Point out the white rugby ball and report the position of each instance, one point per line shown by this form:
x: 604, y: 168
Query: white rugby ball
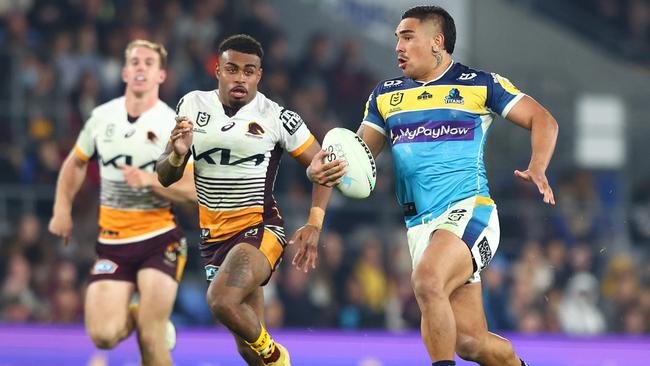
x: 361, y: 173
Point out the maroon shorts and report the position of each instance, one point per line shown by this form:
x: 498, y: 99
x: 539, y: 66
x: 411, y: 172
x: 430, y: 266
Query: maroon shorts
x: 166, y: 252
x: 266, y: 237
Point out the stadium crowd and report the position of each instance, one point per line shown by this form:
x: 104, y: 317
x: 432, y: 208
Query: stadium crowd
x: 556, y: 270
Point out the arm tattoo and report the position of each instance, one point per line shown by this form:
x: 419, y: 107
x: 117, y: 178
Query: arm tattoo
x: 167, y: 173
x: 238, y: 269
x: 438, y: 56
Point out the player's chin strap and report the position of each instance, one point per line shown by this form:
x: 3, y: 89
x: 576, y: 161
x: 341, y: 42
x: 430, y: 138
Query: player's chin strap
x: 316, y: 217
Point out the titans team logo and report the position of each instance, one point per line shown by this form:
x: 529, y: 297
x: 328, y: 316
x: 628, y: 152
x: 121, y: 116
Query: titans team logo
x: 454, y: 97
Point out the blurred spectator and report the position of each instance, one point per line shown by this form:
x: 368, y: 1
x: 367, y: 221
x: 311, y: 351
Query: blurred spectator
x: 27, y: 239
x: 314, y: 64
x: 556, y: 252
x: 531, y: 321
x: 581, y: 212
x: 350, y: 83
x: 64, y: 294
x: 369, y: 271
x: 581, y: 258
x: 533, y: 267
x: 260, y: 21
x: 19, y: 303
x: 299, y: 310
x: 578, y: 311
x: 85, y: 97
x: 356, y: 313
x: 11, y: 160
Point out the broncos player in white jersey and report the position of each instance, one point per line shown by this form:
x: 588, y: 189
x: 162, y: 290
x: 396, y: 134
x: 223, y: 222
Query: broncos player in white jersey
x: 436, y: 119
x: 236, y: 137
x: 140, y: 246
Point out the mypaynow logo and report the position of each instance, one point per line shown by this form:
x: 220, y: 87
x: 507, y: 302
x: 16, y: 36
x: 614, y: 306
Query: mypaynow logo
x: 433, y: 131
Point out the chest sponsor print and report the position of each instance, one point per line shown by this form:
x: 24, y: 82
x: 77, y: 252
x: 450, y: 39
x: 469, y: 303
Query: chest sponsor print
x: 433, y: 131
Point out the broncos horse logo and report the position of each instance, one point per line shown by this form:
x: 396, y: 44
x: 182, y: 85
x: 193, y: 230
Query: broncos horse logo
x: 255, y: 129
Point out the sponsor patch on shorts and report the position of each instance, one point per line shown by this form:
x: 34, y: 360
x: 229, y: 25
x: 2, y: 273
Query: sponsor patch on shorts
x: 211, y: 272
x: 104, y: 266
x: 485, y: 252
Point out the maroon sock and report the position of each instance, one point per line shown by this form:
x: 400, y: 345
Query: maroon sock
x: 272, y: 357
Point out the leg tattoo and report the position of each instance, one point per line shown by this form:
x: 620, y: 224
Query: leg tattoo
x: 237, y: 269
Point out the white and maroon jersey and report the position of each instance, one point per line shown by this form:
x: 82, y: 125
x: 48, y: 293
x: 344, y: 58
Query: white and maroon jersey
x: 127, y: 214
x: 236, y: 159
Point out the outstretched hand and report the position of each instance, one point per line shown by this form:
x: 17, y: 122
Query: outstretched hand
x: 306, y: 238
x: 325, y: 174
x: 539, y: 179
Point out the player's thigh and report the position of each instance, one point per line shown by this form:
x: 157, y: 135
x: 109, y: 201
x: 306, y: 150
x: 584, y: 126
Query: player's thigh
x: 157, y: 292
x: 244, y: 269
x: 106, y: 304
x: 445, y: 263
x: 471, y: 324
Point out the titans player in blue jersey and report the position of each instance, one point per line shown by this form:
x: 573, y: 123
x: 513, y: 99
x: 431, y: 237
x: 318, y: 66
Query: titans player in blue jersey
x: 436, y: 119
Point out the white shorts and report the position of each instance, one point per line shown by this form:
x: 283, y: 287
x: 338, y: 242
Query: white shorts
x: 474, y: 220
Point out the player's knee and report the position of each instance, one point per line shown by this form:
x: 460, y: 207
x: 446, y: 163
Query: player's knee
x: 469, y: 346
x: 427, y: 286
x: 106, y: 337
x: 222, y: 306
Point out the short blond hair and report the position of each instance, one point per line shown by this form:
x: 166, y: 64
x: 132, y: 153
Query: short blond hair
x: 157, y: 47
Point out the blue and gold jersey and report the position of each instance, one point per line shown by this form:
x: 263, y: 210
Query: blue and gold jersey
x: 437, y: 131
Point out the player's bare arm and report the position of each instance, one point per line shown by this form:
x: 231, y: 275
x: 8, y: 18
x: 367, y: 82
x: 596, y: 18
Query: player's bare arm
x: 374, y: 139
x: 306, y: 238
x: 182, y: 192
x: 71, y: 177
x: 171, y: 164
x: 531, y: 115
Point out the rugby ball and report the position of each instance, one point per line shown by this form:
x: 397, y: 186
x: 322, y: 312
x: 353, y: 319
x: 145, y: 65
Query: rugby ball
x: 361, y: 173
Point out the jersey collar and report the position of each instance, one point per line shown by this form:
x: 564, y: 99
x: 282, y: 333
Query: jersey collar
x: 439, y: 77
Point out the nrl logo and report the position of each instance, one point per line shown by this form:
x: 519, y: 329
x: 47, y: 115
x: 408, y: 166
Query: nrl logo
x: 396, y: 99
x: 202, y: 119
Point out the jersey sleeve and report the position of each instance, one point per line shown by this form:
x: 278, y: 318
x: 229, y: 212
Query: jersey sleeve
x: 372, y: 117
x: 502, y: 95
x: 295, y: 136
x: 85, y: 147
x: 182, y: 107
